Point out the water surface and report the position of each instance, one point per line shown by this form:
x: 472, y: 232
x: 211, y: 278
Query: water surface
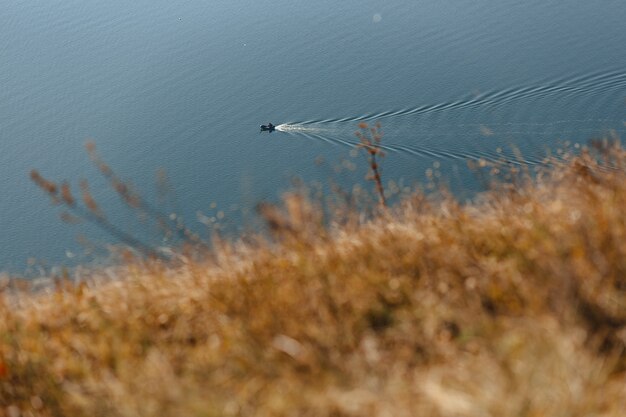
x: 183, y: 86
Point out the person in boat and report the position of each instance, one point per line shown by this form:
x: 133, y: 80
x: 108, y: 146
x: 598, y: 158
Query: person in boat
x: 268, y: 127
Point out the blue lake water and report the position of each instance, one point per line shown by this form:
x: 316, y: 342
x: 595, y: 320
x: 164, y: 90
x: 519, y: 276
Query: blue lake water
x: 183, y: 86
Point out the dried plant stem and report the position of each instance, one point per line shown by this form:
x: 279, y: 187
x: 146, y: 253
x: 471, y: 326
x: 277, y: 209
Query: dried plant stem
x: 135, y: 201
x: 91, y: 213
x: 370, y: 141
x: 377, y: 180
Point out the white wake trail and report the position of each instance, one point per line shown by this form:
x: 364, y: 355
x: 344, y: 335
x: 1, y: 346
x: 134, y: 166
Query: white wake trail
x: 298, y: 128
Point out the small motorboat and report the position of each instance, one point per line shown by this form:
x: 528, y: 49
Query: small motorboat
x: 268, y: 128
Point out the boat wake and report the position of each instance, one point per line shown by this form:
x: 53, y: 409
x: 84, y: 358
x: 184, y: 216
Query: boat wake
x: 484, y: 126
x: 582, y: 89
x: 301, y: 128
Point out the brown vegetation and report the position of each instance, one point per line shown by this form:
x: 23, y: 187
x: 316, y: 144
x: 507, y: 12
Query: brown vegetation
x: 514, y: 305
x: 369, y: 140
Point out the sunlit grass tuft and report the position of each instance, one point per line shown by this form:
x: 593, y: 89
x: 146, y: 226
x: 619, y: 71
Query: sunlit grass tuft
x: 514, y: 305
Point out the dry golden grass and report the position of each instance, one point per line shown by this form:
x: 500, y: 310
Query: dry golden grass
x: 511, y: 306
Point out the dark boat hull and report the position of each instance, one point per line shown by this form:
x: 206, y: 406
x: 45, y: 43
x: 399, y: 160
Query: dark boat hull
x: 265, y: 128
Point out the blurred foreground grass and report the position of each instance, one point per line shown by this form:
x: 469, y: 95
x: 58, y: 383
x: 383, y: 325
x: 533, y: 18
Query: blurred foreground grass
x: 514, y: 305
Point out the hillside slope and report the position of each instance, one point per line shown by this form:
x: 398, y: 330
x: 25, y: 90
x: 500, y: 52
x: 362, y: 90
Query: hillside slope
x: 514, y: 305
